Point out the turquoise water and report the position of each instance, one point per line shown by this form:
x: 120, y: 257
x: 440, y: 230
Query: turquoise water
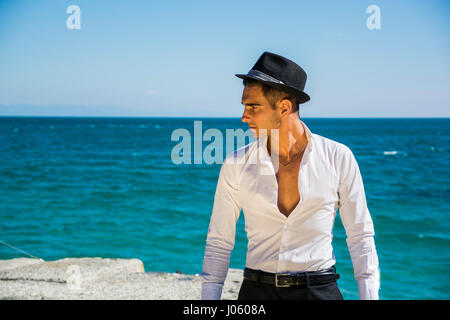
x: 107, y: 187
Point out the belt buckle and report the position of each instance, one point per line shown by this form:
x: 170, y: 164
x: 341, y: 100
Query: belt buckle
x: 281, y: 285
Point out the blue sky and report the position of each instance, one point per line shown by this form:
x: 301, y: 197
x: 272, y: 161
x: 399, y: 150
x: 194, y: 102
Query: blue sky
x: 178, y: 58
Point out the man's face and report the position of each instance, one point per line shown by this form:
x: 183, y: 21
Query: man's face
x: 258, y: 113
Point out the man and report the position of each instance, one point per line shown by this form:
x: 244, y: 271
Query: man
x: 289, y: 184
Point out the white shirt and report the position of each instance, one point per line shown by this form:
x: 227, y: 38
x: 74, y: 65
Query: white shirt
x: 329, y: 179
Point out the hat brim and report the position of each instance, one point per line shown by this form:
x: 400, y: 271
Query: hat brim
x: 301, y: 96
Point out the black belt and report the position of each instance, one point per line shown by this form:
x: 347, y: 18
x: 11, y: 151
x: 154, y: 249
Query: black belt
x: 292, y: 279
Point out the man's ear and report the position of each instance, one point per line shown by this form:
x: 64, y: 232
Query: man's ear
x: 285, y: 107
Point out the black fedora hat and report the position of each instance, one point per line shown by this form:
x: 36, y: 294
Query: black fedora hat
x: 281, y: 73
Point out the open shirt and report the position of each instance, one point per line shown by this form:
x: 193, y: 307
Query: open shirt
x: 329, y: 179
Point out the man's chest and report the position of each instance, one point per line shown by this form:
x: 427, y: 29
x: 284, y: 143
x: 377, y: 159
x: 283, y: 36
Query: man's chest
x: 265, y: 188
x: 288, y: 191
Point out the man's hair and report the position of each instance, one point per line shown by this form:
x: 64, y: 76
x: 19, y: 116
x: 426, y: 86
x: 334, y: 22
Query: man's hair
x: 272, y: 94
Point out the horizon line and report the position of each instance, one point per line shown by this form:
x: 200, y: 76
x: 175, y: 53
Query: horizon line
x: 201, y: 117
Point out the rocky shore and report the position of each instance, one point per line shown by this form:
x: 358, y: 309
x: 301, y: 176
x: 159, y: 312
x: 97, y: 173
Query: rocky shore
x: 100, y: 279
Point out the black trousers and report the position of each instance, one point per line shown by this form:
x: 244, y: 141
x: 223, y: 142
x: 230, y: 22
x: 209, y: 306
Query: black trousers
x: 251, y: 290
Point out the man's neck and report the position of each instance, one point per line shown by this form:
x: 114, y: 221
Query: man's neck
x: 290, y: 141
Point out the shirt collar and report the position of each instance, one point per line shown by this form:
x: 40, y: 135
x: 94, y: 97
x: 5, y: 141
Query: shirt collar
x: 308, y: 135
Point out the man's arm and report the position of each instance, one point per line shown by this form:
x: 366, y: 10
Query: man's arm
x: 359, y: 228
x: 221, y: 232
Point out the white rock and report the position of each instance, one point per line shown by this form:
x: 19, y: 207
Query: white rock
x: 88, y: 269
x: 17, y: 262
x: 101, y: 279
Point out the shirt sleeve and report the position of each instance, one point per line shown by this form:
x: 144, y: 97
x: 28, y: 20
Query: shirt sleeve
x: 221, y: 232
x: 359, y: 228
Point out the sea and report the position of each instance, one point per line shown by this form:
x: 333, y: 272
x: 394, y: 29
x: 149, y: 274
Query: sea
x: 115, y: 188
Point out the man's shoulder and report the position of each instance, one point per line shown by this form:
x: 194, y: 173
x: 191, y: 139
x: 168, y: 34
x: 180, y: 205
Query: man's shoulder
x: 329, y: 145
